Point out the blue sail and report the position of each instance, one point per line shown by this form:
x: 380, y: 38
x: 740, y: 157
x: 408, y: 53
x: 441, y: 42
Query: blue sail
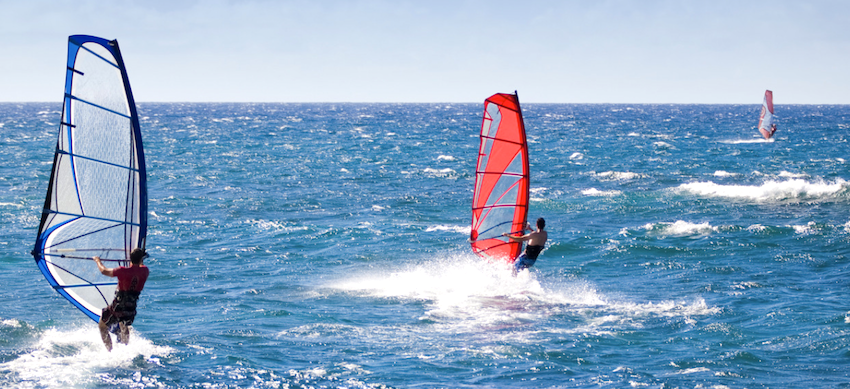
x: 96, y: 201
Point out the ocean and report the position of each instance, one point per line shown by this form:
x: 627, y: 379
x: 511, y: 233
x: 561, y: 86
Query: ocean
x: 326, y: 246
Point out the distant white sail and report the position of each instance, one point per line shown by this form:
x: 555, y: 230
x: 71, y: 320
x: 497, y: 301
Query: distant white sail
x: 766, y: 121
x: 96, y: 201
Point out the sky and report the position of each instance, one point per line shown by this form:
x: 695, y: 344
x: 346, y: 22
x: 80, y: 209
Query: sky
x: 617, y: 51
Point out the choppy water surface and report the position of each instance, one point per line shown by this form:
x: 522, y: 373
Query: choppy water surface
x: 325, y: 246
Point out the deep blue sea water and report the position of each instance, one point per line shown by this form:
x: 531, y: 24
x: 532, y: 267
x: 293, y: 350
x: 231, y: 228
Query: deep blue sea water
x: 325, y: 246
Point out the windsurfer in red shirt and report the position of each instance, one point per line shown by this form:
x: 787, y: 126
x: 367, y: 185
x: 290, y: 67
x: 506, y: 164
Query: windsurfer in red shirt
x: 119, y: 315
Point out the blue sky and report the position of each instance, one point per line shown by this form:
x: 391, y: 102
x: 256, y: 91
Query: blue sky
x: 442, y: 51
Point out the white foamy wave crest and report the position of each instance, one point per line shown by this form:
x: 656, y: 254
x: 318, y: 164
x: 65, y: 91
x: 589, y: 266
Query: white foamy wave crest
x: 721, y: 173
x: 468, y: 292
x: 616, y: 316
x: 77, y: 357
x: 806, y: 229
x: 745, y: 285
x: 273, y: 225
x: 576, y: 156
x: 460, y: 229
x: 439, y: 172
x: 756, y: 228
x: 544, y: 194
x: 601, y: 193
x: 785, y: 174
x: 619, y: 175
x: 695, y: 370
x: 445, y: 158
x: 698, y: 307
x: 537, y: 191
x: 537, y: 194
x: 795, y: 189
x: 15, y: 323
x: 679, y: 228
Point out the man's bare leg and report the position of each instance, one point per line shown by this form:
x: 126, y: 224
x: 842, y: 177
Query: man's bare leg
x: 123, y: 333
x: 104, y: 335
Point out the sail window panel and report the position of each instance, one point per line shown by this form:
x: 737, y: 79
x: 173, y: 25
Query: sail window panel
x: 134, y: 156
x: 484, y: 183
x: 484, y: 154
x: 103, y: 52
x: 484, y: 167
x: 63, y: 277
x: 495, y: 121
x: 56, y: 219
x: 64, y: 194
x: 88, y: 234
x: 49, y: 221
x: 501, y: 155
x: 487, y: 126
x: 133, y: 216
x: 496, y: 221
x: 85, y: 234
x: 101, y: 135
x: 488, y: 190
x: 131, y: 241
x: 134, y: 202
x: 102, y: 189
x: 76, y: 276
x: 92, y: 298
x: 64, y: 133
x: 504, y: 127
x: 101, y: 82
x: 505, y: 192
x: 517, y: 165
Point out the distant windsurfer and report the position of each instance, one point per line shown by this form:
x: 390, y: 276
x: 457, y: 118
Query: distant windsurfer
x: 119, y: 315
x: 536, y: 242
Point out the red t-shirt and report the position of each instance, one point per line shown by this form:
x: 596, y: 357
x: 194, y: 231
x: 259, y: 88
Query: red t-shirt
x: 131, y: 278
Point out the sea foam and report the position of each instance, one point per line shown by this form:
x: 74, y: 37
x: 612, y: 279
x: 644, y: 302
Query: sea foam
x: 792, y: 189
x: 76, y: 357
x: 678, y: 228
x: 600, y: 193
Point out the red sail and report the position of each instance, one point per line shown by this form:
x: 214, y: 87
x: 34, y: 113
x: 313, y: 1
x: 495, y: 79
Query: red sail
x: 500, y: 200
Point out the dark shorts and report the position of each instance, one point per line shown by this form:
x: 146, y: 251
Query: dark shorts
x: 523, y: 262
x: 122, y: 309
